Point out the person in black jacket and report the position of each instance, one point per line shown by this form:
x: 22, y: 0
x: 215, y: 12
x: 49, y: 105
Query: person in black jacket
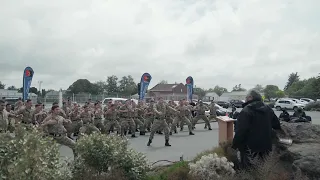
x: 254, y: 132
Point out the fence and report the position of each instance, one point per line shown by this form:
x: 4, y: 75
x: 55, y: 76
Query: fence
x: 80, y: 98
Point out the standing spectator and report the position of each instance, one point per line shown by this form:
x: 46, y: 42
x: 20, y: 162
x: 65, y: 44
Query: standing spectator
x: 253, y: 137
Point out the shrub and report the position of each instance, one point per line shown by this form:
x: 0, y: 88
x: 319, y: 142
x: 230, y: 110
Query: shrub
x: 176, y: 171
x: 29, y: 156
x: 101, y: 154
x: 211, y: 167
x: 313, y: 106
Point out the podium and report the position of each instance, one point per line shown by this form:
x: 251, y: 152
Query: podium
x: 226, y: 128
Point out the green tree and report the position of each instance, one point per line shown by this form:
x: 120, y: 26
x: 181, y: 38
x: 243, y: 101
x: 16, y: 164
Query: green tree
x: 218, y: 90
x: 82, y: 86
x: 280, y: 94
x: 259, y: 88
x: 270, y: 91
x: 112, y: 84
x: 2, y: 86
x: 127, y: 86
x: 100, y: 86
x: 12, y: 88
x: 199, y: 92
x: 33, y: 90
x: 293, y: 77
x: 163, y: 82
x: 238, y: 88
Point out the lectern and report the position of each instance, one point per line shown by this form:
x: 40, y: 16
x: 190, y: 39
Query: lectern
x: 225, y: 128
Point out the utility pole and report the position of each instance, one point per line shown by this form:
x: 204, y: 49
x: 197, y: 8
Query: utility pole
x: 40, y: 82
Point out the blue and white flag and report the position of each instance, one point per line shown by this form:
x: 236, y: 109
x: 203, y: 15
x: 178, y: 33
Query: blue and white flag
x: 189, y: 84
x: 144, y: 83
x: 27, y: 79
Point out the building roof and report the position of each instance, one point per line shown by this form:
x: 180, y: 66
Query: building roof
x: 235, y: 93
x: 164, y: 87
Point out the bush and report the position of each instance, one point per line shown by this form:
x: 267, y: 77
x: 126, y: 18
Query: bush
x: 211, y: 167
x: 177, y: 171
x: 30, y: 156
x: 103, y: 155
x: 313, y: 106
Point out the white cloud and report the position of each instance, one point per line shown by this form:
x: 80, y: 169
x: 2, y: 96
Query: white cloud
x: 218, y: 42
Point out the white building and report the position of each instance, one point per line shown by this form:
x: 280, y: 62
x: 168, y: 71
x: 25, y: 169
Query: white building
x: 211, y: 96
x: 15, y: 94
x: 235, y: 95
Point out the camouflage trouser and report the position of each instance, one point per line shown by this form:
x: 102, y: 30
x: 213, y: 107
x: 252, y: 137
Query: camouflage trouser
x: 182, y: 119
x: 158, y: 125
x: 11, y: 125
x: 108, y: 124
x: 140, y: 124
x: 28, y: 126
x: 213, y: 117
x: 88, y: 129
x: 73, y: 127
x: 64, y: 140
x: 127, y: 123
x: 203, y: 117
x: 99, y: 123
x: 148, y: 122
x: 189, y: 116
x: 169, y: 119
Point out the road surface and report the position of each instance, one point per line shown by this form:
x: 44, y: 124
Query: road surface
x: 182, y: 143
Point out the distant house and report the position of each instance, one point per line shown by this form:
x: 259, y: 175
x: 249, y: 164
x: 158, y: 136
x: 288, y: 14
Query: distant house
x: 4, y: 93
x: 211, y: 96
x: 169, y: 91
x: 235, y: 95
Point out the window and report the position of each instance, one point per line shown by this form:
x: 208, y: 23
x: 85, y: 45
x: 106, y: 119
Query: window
x: 281, y: 102
x: 287, y: 102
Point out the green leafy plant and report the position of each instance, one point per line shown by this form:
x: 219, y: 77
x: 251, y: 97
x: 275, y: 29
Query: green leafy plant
x: 29, y: 155
x: 100, y: 154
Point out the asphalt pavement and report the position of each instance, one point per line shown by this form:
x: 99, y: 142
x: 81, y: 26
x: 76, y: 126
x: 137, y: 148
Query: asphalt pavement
x: 182, y: 144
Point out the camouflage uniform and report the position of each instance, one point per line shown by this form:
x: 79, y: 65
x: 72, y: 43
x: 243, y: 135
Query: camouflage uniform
x: 111, y: 120
x: 126, y: 120
x: 87, y: 127
x: 76, y: 123
x: 201, y: 115
x: 27, y: 117
x: 98, y: 119
x: 138, y: 116
x: 182, y: 118
x: 160, y: 110
x: 149, y: 116
x: 4, y: 121
x: 57, y: 131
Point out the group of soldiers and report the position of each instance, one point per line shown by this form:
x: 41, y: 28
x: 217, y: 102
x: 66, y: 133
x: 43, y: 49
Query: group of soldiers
x: 116, y: 118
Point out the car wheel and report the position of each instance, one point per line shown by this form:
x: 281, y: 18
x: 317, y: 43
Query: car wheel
x: 295, y: 108
x: 278, y: 108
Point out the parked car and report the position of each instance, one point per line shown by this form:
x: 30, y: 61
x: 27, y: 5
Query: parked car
x: 113, y: 100
x: 237, y: 103
x: 220, y: 111
x: 223, y: 104
x: 288, y: 104
x: 307, y: 99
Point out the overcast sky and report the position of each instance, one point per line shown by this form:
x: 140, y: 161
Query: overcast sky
x: 218, y: 42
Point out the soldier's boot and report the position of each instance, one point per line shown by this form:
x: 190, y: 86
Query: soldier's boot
x: 175, y: 131
x: 129, y: 132
x: 209, y: 128
x: 181, y: 129
x: 133, y: 136
x: 142, y: 133
x: 191, y: 133
x: 167, y: 143
x: 149, y: 142
x: 137, y: 130
x: 125, y: 133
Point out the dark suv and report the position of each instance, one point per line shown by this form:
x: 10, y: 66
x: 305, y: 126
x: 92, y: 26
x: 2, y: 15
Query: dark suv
x: 237, y: 103
x: 223, y: 104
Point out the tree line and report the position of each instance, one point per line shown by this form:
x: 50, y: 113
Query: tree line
x: 126, y: 86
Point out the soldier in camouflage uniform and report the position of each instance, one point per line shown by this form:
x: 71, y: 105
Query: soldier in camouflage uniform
x: 76, y: 122
x: 149, y: 116
x: 27, y: 114
x: 4, y: 117
x: 88, y: 126
x: 56, y: 129
x: 126, y: 119
x: 98, y: 113
x: 138, y: 117
x: 160, y: 110
x: 182, y: 118
x: 213, y: 112
x: 201, y: 108
x: 111, y: 116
